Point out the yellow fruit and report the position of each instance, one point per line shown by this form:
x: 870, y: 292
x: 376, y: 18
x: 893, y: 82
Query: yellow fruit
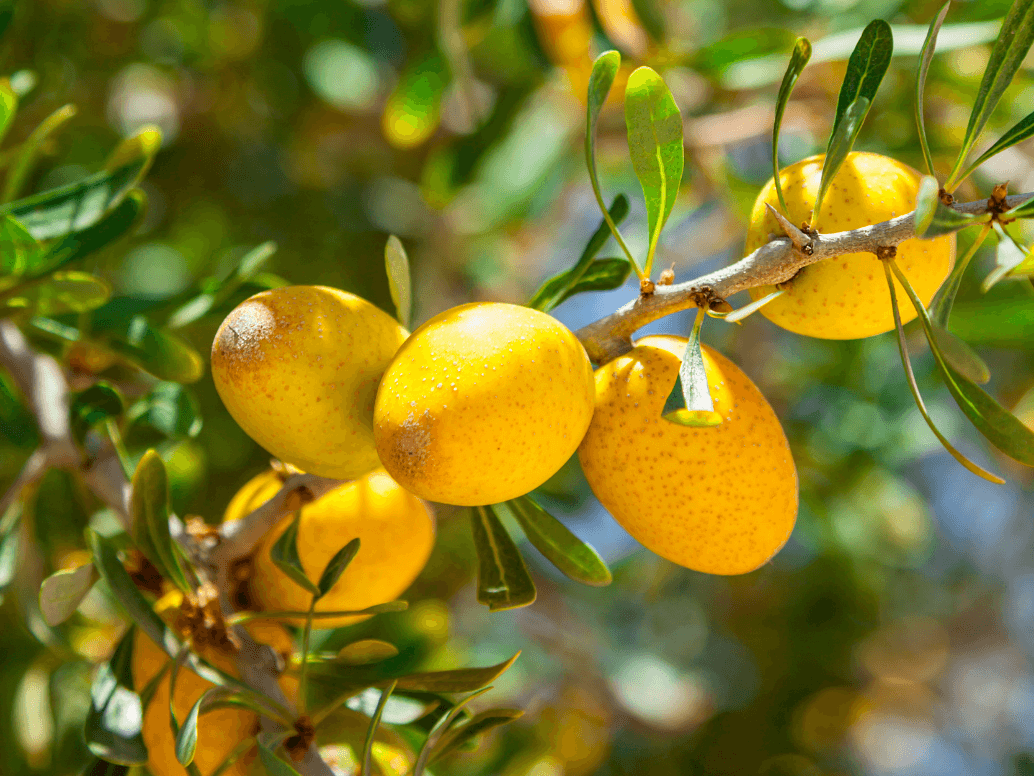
x: 395, y: 531
x: 219, y: 731
x: 722, y: 500
x: 482, y: 404
x: 846, y: 297
x: 298, y: 368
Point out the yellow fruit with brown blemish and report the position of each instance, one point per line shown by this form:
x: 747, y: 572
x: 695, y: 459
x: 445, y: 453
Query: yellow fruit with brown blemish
x: 395, y: 531
x: 298, y: 367
x: 219, y: 731
x: 482, y: 404
x: 846, y: 297
x: 722, y: 500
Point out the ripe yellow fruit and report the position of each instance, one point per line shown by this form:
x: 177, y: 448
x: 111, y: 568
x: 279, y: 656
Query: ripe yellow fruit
x: 396, y: 535
x: 298, y: 367
x: 482, y: 404
x: 846, y: 297
x: 722, y: 500
x: 219, y: 731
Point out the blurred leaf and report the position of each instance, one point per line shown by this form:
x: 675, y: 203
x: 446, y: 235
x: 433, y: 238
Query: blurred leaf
x: 1009, y: 257
x: 655, y: 145
x: 742, y: 45
x: 961, y: 356
x: 1023, y: 765
x: 439, y: 728
x: 149, y: 509
x: 247, y: 268
x: 115, y: 718
x: 567, y: 283
x: 399, y: 710
x: 10, y: 542
x: 142, y: 144
x: 62, y: 292
x: 63, y: 591
x: 336, y: 567
x: 944, y: 297
x: 186, y: 737
x: 169, y: 408
x: 690, y: 403
x: 30, y: 149
x: 366, y: 651
x: 284, y: 554
x: 413, y: 110
x: 925, y: 57
x: 375, y: 722
x: 1013, y: 43
x: 840, y: 144
x: 399, y: 282
x: 575, y: 558
x: 77, y: 206
x: 457, y: 680
x: 158, y: 352
x: 19, y: 250
x: 16, y: 422
x: 94, y: 405
x: 6, y: 16
x: 1003, y: 429
x: 274, y: 765
x: 95, y: 766
x: 454, y: 739
x: 80, y: 244
x: 798, y: 60
x: 503, y: 581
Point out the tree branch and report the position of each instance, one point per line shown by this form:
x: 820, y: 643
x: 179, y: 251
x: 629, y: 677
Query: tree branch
x: 774, y: 262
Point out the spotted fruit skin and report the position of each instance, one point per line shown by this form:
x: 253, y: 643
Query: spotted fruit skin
x: 721, y: 500
x: 482, y: 404
x: 396, y: 532
x: 846, y: 297
x: 298, y: 367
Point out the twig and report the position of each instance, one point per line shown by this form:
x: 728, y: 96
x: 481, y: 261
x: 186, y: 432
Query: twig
x: 774, y: 262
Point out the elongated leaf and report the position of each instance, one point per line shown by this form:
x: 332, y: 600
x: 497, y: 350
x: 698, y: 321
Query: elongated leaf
x: 169, y: 408
x: 460, y: 735
x: 30, y: 149
x: 19, y: 250
x: 186, y: 738
x: 8, y: 107
x: 440, y: 727
x: 284, y: 554
x: 366, y: 651
x: 375, y: 722
x: 10, y: 541
x: 798, y: 59
x: 925, y: 57
x: 115, y: 718
x: 1013, y: 43
x: 690, y: 403
x: 97, y: 403
x: 399, y: 282
x: 927, y: 200
x: 457, y: 680
x: 218, y: 291
x: 1009, y: 256
x: 399, y: 710
x: 563, y: 549
x: 933, y: 218
x: 63, y: 591
x: 841, y: 141
x: 80, y: 244
x: 144, y: 143
x: 865, y: 70
x: 149, y: 508
x: 503, y: 579
x: 336, y: 567
x: 62, y: 292
x: 1019, y: 132
x: 961, y: 356
x: 274, y: 765
x: 655, y: 145
x: 1003, y: 429
x: 940, y: 305
x: 158, y: 352
x: 562, y: 285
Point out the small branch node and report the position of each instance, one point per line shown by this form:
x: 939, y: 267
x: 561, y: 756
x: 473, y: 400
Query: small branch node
x: 801, y: 239
x: 646, y: 287
x: 945, y: 197
x: 886, y: 252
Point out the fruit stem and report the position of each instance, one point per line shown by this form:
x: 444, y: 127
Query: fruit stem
x: 303, y: 679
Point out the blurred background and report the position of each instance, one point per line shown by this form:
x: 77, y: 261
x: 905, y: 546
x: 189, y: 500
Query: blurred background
x: 893, y: 635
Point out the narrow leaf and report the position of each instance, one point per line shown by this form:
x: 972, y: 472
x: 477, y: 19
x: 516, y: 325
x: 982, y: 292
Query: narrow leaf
x: 1014, y: 41
x: 457, y: 680
x: 439, y: 728
x: 8, y: 107
x: 336, y: 567
x: 1015, y: 134
x: 841, y: 141
x: 690, y: 403
x: 1009, y: 256
x: 284, y: 553
x: 114, y: 721
x: 798, y: 59
x: 925, y: 58
x: 961, y: 356
x: 247, y: 268
x: 503, y: 579
x: 274, y: 765
x: 399, y: 281
x: 562, y: 285
x: 80, y: 244
x: 142, y: 144
x: 865, y: 68
x: 655, y: 145
x: 375, y: 722
x: 933, y: 218
x: 456, y: 738
x: 575, y: 558
x: 149, y: 508
x: 159, y: 353
x: 186, y: 738
x: 399, y: 709
x: 749, y: 309
x: 1003, y: 429
x: 61, y: 292
x: 26, y: 158
x: 63, y: 591
x: 940, y: 305
x: 367, y: 651
x: 169, y: 408
x: 19, y: 251
x: 94, y: 405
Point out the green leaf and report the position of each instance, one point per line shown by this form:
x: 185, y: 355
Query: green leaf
x: 457, y: 680
x: 30, y: 149
x: 601, y: 79
x: 1003, y: 429
x: 158, y: 352
x: 940, y: 305
x: 217, y: 291
x: 399, y: 710
x: 413, y: 110
x: 94, y: 405
x: 961, y: 356
x: 366, y: 651
x: 798, y: 59
x: 142, y: 144
x: 439, y: 728
x: 10, y: 542
x: 80, y: 244
x: 865, y: 70
x: 399, y: 282
x: 1013, y: 43
x: 19, y: 250
x: 575, y: 558
x: 169, y: 408
x: 655, y: 145
x: 565, y: 284
x: 61, y: 292
x: 1009, y: 257
x: 115, y: 718
x: 95, y: 766
x: 841, y: 141
x: 274, y: 765
x: 284, y: 554
x: 690, y: 403
x: 933, y: 218
x: 186, y: 738
x: 925, y: 57
x: 149, y: 509
x: 375, y: 722
x: 460, y: 735
x: 1019, y: 132
x: 8, y: 99
x: 503, y: 579
x: 63, y: 591
x: 336, y: 567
